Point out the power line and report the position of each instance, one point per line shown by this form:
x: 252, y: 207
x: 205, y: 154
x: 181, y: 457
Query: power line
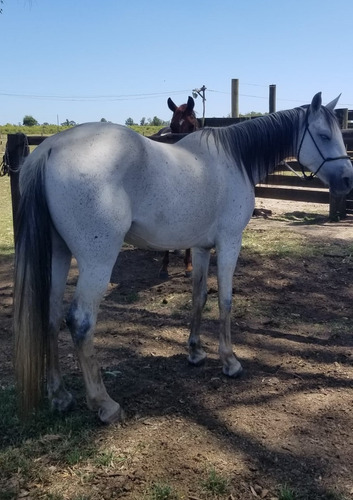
x: 119, y: 97
x: 139, y: 96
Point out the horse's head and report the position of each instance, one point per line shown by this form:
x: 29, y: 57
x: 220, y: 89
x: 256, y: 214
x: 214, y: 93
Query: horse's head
x: 321, y: 148
x: 184, y: 119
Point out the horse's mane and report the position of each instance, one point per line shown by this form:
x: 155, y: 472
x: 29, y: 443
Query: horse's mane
x: 261, y: 143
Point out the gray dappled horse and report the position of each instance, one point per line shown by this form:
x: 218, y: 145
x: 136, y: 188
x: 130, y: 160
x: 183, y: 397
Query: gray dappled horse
x: 86, y: 190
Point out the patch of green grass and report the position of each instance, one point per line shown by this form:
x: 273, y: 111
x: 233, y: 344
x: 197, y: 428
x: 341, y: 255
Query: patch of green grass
x: 215, y: 483
x: 277, y: 243
x: 34, y: 130
x: 65, y: 440
x: 286, y: 493
x: 146, y: 130
x: 77, y: 454
x: 14, y: 459
x: 161, y: 491
x: 45, y: 423
x: 105, y: 459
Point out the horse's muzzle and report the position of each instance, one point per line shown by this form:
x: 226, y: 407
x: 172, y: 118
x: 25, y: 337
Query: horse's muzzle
x: 342, y: 185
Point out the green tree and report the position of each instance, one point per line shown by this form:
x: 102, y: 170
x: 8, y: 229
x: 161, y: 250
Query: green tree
x: 103, y: 120
x: 29, y: 121
x: 156, y: 122
x: 129, y: 122
x: 143, y: 122
x: 68, y: 123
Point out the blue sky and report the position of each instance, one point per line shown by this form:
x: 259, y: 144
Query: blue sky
x: 84, y: 60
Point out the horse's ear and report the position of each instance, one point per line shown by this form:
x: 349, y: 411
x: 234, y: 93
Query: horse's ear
x: 171, y: 105
x: 316, y: 103
x: 331, y: 105
x: 191, y: 103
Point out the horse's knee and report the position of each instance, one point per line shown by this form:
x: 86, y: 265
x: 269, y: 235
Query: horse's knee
x: 79, y: 323
x: 226, y: 306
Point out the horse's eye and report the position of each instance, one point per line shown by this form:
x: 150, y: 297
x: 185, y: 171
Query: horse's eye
x: 324, y: 137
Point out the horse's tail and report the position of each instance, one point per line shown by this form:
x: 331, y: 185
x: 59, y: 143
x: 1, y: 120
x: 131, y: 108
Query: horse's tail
x: 32, y: 281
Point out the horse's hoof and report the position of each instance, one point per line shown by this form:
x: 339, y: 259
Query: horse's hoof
x: 232, y: 371
x: 63, y: 404
x: 188, y: 274
x: 197, y: 359
x: 111, y: 414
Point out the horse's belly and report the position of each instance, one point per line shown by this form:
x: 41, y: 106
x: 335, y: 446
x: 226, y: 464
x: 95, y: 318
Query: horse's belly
x: 168, y: 238
x: 140, y: 242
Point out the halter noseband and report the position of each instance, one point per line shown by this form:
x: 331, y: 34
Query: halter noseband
x: 324, y: 160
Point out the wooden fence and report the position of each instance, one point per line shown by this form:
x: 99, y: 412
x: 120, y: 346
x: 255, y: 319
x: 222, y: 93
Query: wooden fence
x: 279, y: 185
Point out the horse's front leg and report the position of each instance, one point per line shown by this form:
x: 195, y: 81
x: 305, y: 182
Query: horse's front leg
x: 201, y: 258
x: 227, y: 257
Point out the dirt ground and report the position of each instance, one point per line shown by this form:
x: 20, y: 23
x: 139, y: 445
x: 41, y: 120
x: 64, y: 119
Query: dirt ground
x: 287, y: 421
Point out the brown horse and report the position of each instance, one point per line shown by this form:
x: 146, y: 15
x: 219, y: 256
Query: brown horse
x: 184, y: 121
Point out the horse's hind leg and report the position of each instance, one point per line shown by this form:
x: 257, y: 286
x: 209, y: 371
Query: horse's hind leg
x: 188, y: 263
x: 59, y: 397
x: 82, y: 317
x: 163, y: 273
x: 201, y: 258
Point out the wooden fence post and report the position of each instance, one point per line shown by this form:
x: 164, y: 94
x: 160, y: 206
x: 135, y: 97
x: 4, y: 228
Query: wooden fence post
x: 235, y: 98
x: 272, y: 99
x: 338, y: 204
x: 342, y: 117
x: 338, y: 208
x: 16, y: 150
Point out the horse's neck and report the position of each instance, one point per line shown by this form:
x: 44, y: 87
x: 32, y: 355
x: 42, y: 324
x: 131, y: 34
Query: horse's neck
x: 269, y: 142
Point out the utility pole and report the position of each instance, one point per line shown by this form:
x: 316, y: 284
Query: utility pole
x: 235, y: 98
x: 201, y: 93
x: 272, y: 99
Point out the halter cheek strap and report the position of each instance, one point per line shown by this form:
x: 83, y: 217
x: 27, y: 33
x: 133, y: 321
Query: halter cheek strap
x: 324, y: 160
